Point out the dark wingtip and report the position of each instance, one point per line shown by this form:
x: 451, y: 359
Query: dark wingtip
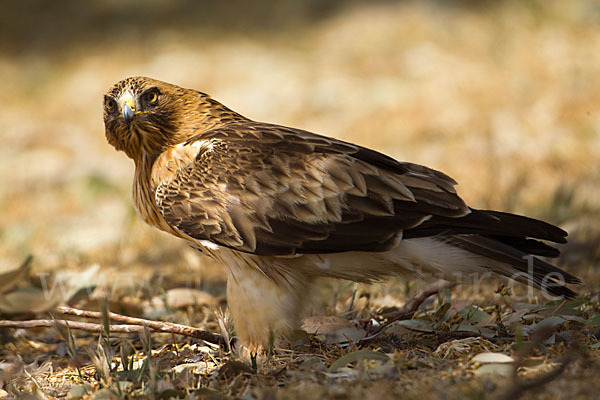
x: 559, y: 290
x: 529, y: 227
x: 564, y: 234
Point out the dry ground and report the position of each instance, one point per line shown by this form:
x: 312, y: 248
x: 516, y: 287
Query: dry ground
x: 504, y: 97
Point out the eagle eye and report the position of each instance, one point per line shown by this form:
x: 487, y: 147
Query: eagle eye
x: 151, y: 97
x: 110, y: 104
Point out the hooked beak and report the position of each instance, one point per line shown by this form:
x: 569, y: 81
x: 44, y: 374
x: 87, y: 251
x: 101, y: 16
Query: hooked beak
x: 127, y: 107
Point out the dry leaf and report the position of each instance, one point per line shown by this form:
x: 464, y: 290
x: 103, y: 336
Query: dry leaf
x: 345, y: 335
x: 234, y: 368
x: 29, y: 300
x: 180, y: 298
x: 495, y: 369
x: 324, y: 324
x: 12, y: 277
x: 492, y: 358
x: 62, y: 289
x: 357, y: 356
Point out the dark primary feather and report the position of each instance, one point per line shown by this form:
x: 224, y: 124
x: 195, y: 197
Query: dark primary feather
x: 530, y: 270
x: 508, y: 238
x: 491, y: 223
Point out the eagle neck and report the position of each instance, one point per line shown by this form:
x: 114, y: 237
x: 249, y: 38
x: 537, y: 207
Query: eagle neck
x: 143, y: 192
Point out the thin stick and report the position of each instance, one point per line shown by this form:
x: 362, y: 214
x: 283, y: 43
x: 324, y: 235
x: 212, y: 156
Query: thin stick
x: 133, y: 325
x: 411, y: 306
x: 84, y: 326
x: 161, y: 326
x: 415, y: 301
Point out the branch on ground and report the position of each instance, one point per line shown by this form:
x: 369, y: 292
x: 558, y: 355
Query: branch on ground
x: 412, y: 305
x: 130, y: 325
x: 415, y: 301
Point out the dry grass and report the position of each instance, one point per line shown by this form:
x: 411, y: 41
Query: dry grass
x: 505, y: 98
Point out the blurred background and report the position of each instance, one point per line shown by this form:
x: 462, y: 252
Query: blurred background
x: 504, y: 96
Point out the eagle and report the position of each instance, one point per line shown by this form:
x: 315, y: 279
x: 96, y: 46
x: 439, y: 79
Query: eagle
x: 281, y: 207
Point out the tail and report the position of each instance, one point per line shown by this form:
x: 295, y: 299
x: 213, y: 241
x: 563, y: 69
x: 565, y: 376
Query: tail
x: 503, y: 243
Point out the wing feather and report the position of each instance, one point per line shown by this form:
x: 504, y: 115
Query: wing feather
x: 273, y: 190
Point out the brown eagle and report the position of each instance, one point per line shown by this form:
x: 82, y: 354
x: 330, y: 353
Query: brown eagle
x: 280, y: 207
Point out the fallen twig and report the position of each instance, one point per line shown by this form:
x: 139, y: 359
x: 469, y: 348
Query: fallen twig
x: 84, y: 326
x: 161, y: 326
x: 411, y: 306
x: 415, y: 301
x: 132, y: 325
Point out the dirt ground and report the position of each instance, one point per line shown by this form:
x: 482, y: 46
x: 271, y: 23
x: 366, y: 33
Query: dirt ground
x: 502, y: 96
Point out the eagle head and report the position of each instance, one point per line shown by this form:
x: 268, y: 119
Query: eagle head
x: 143, y: 115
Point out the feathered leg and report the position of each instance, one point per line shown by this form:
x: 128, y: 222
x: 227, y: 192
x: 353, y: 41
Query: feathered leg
x: 264, y: 308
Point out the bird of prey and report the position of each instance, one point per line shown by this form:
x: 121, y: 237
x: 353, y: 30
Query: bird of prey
x: 280, y: 207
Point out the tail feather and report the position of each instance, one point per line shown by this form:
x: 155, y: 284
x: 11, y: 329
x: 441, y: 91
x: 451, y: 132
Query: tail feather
x: 510, y: 242
x: 526, y: 268
x: 528, y: 246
